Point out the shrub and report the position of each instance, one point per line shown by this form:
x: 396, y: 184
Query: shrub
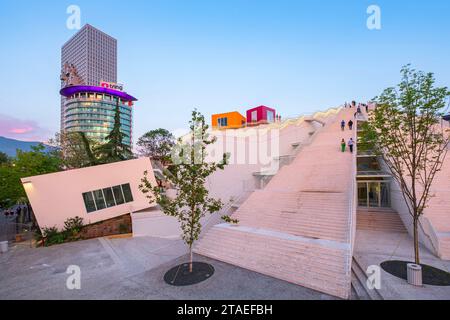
x: 52, y: 236
x: 38, y: 235
x: 72, y: 228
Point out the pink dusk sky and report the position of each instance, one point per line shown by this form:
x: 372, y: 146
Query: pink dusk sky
x: 25, y: 130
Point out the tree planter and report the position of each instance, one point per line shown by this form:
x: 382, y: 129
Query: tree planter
x: 429, y: 275
x: 3, y: 246
x: 414, y: 274
x: 181, y: 276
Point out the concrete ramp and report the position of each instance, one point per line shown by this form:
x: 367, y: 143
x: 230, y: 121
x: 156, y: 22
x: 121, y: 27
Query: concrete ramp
x: 299, y: 228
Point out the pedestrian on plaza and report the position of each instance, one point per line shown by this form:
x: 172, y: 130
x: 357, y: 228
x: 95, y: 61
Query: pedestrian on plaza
x: 350, y: 124
x: 367, y: 108
x: 343, y: 125
x: 350, y: 144
x: 343, y: 145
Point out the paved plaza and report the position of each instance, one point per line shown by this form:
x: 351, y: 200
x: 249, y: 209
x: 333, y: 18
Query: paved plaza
x: 374, y: 247
x: 130, y: 268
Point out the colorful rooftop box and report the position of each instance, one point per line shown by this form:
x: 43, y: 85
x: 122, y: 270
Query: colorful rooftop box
x: 228, y: 120
x: 260, y: 115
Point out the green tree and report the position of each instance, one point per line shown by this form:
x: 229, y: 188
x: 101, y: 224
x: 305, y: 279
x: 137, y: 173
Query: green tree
x: 74, y: 149
x: 114, y: 149
x: 26, y: 163
x: 188, y: 174
x: 4, y: 159
x: 404, y: 131
x: 157, y: 145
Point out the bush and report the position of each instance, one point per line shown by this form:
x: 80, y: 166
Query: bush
x: 52, y: 236
x: 72, y: 228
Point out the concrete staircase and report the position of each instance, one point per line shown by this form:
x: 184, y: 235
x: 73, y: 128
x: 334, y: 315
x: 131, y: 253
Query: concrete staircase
x: 359, y: 284
x: 386, y: 220
x: 299, y: 227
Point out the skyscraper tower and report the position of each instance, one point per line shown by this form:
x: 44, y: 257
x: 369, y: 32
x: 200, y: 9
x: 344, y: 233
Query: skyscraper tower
x: 89, y: 92
x: 93, y: 54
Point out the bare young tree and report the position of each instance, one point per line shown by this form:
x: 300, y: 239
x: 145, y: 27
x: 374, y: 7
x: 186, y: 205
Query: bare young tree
x: 188, y: 174
x: 405, y: 131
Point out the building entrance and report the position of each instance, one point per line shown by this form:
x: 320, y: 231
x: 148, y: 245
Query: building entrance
x: 374, y: 194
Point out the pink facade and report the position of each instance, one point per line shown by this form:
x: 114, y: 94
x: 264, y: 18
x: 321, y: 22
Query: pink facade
x: 95, y: 193
x: 261, y: 114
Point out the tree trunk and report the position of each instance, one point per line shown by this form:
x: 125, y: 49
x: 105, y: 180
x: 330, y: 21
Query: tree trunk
x: 416, y: 241
x: 190, y: 259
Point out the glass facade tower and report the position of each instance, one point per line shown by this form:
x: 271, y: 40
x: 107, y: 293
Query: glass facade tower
x: 91, y: 110
x: 94, y: 55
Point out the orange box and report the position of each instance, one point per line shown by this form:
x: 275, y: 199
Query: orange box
x: 228, y: 120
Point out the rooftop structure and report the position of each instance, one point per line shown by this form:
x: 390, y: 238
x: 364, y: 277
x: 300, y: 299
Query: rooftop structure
x: 235, y: 120
x: 261, y: 114
x: 228, y: 120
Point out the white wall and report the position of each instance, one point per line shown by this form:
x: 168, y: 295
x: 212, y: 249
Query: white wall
x: 398, y: 204
x: 56, y: 197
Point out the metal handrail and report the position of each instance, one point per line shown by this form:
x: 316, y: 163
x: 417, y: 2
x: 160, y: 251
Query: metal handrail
x: 352, y: 206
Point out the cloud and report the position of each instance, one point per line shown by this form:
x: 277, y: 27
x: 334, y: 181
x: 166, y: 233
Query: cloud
x: 25, y: 130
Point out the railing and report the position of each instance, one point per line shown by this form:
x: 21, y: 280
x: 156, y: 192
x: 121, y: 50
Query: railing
x: 352, y: 200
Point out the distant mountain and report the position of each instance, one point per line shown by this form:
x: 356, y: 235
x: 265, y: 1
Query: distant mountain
x: 9, y: 146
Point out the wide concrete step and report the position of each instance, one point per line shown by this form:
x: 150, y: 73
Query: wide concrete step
x: 359, y: 283
x: 306, y: 264
x: 379, y: 221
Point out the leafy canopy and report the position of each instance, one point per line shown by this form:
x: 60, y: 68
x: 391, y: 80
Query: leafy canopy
x: 26, y: 163
x: 157, y: 144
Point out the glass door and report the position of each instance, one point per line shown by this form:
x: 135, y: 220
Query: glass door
x: 362, y: 194
x: 374, y: 194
